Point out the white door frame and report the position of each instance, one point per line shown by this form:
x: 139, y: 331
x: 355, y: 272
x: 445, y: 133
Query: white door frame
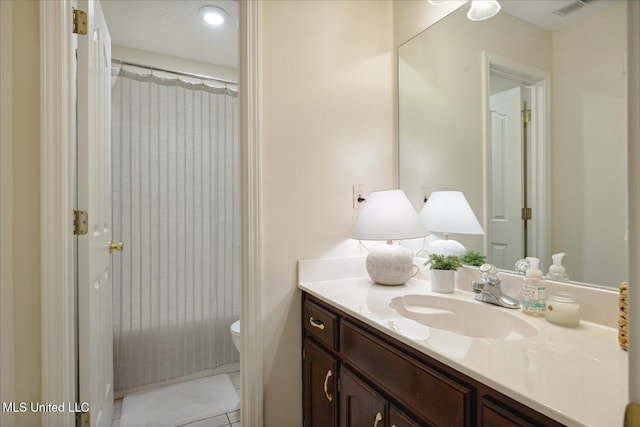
x: 541, y: 131
x: 57, y: 293
x: 251, y: 317
x: 56, y: 197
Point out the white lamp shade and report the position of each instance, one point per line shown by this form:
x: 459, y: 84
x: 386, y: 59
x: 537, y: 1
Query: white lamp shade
x: 449, y: 212
x: 388, y: 215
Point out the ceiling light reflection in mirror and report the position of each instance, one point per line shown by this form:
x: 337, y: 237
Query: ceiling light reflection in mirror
x: 479, y: 9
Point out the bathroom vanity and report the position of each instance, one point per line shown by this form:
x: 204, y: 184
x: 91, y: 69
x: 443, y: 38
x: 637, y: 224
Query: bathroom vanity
x: 370, y: 357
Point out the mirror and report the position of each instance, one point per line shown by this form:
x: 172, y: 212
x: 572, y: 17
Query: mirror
x: 572, y: 69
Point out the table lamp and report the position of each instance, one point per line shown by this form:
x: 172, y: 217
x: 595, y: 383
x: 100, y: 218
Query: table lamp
x: 388, y: 215
x: 449, y: 212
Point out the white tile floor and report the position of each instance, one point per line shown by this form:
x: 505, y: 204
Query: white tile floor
x: 230, y: 419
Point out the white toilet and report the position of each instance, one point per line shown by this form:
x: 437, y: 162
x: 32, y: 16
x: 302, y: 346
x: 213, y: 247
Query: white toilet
x: 235, y: 333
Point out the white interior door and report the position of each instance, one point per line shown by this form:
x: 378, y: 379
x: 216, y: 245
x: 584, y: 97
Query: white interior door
x: 95, y: 342
x: 505, y: 216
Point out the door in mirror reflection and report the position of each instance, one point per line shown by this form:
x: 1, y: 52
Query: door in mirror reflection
x: 509, y: 161
x: 506, y: 232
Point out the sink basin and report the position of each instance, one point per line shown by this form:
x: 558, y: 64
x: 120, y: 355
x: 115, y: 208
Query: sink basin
x: 468, y: 318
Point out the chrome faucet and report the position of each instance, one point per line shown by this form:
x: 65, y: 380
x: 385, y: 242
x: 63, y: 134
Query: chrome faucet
x: 489, y: 290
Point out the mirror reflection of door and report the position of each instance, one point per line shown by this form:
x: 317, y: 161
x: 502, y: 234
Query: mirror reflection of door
x: 510, y: 213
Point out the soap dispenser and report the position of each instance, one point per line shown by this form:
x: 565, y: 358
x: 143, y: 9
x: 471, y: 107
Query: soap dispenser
x: 557, y: 270
x: 533, y: 290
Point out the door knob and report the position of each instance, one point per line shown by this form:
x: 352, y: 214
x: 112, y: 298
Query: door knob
x: 115, y: 246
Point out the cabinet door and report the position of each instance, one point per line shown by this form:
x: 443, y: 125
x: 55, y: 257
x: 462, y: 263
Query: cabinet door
x: 319, y: 386
x: 397, y: 418
x: 360, y: 406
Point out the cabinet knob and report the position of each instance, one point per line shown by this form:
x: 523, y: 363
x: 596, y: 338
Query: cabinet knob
x: 326, y: 389
x: 377, y: 420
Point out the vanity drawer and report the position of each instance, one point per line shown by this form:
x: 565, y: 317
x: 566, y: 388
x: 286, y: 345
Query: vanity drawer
x: 321, y: 323
x: 433, y: 396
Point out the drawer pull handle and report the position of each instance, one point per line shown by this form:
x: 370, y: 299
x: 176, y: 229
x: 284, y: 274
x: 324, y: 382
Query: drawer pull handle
x: 316, y: 323
x: 326, y: 381
x: 377, y: 420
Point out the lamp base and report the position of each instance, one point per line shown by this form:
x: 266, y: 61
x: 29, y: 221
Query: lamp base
x: 390, y: 264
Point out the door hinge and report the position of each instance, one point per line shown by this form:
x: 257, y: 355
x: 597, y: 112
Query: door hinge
x: 79, y: 22
x: 83, y: 419
x: 339, y: 385
x: 526, y: 214
x: 526, y: 116
x: 80, y: 222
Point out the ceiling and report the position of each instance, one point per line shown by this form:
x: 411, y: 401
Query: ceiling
x: 174, y: 27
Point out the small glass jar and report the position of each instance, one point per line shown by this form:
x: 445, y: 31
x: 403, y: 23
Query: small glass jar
x: 563, y: 309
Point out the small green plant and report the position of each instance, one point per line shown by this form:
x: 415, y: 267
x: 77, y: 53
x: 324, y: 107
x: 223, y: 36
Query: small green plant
x: 443, y: 262
x: 473, y: 258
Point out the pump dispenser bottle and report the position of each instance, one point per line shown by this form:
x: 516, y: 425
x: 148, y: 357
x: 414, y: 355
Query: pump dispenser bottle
x: 533, y: 290
x: 557, y: 270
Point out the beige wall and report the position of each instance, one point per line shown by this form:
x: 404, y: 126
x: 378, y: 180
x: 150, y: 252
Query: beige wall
x: 26, y: 205
x: 326, y: 124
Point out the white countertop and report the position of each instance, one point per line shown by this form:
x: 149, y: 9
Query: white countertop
x: 577, y: 376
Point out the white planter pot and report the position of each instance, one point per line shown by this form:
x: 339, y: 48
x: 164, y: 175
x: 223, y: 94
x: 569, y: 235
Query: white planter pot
x: 442, y: 281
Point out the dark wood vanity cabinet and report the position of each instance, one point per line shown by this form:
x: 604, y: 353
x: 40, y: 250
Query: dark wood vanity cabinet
x: 354, y: 375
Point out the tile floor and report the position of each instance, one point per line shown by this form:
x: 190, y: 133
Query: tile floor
x: 230, y: 419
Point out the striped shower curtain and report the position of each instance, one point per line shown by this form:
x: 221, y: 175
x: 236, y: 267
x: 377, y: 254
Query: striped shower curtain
x: 176, y: 207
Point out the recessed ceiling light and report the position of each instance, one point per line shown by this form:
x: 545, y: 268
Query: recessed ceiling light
x: 213, y: 15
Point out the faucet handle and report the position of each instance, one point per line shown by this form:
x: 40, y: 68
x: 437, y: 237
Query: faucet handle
x: 489, y: 273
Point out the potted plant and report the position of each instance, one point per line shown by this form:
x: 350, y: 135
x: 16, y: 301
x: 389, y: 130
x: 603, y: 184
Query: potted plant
x: 443, y: 268
x: 473, y: 258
